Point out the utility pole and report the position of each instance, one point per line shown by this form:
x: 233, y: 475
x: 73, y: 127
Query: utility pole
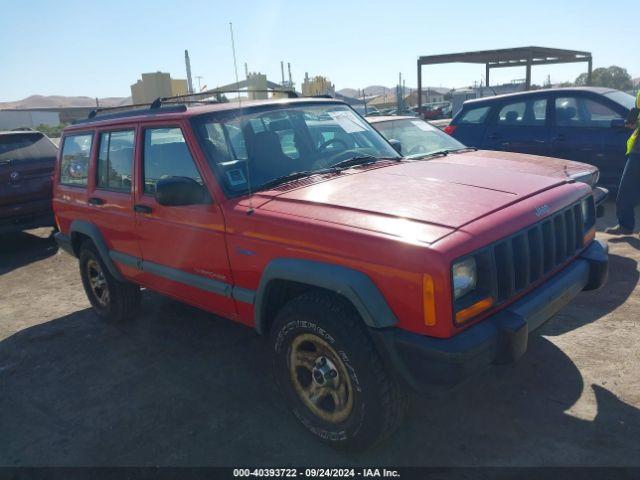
x: 199, y: 77
x: 188, y: 65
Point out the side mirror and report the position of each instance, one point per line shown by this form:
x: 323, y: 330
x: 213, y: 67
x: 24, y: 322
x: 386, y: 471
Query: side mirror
x: 177, y: 191
x: 397, y: 146
x: 617, y: 123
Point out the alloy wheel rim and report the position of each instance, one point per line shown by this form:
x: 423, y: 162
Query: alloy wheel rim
x: 98, y: 282
x: 320, y: 378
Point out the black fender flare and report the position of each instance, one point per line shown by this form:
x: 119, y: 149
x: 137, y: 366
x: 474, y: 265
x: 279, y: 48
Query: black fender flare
x: 354, y: 285
x: 91, y: 231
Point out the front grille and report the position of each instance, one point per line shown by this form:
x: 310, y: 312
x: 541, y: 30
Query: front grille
x: 530, y: 254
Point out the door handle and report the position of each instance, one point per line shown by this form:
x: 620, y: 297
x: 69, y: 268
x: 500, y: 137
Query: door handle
x: 559, y: 138
x: 494, y: 136
x: 95, y: 201
x: 142, y: 209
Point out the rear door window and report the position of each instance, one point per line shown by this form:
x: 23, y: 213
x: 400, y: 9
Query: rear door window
x: 528, y: 113
x: 474, y: 116
x: 74, y: 163
x: 115, y: 158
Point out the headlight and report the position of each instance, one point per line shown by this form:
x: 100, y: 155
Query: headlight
x: 465, y: 277
x: 590, y: 178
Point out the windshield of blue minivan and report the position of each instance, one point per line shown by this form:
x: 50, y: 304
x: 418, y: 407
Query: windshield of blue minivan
x: 417, y: 137
x: 266, y: 145
x: 624, y: 99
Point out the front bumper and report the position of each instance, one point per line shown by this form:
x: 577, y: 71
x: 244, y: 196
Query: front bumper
x: 502, y: 338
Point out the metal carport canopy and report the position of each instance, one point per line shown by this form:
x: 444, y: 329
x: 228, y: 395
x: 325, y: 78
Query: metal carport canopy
x: 508, y: 57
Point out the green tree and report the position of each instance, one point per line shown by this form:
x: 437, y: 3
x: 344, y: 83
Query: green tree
x: 610, y: 77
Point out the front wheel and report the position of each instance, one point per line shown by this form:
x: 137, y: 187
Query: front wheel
x: 331, y: 374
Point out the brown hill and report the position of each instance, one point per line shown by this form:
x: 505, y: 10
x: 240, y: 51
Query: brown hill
x: 54, y: 101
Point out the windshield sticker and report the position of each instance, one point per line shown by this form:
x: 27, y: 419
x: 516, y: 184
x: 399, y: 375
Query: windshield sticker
x: 423, y: 125
x: 348, y: 121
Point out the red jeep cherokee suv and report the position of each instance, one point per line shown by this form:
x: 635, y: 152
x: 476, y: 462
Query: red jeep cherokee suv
x: 370, y: 273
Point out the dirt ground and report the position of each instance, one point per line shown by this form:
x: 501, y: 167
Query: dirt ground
x: 182, y: 387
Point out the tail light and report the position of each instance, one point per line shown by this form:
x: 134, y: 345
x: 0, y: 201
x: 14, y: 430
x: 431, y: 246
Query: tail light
x: 449, y: 129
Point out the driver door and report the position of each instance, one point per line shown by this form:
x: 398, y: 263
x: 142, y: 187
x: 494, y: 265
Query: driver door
x: 183, y: 247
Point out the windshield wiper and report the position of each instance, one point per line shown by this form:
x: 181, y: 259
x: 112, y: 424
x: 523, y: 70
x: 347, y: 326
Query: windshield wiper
x: 462, y: 150
x: 360, y: 160
x: 289, y: 177
x: 445, y: 152
x: 342, y: 165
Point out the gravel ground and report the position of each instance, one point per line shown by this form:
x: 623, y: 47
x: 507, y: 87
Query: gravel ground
x: 182, y: 387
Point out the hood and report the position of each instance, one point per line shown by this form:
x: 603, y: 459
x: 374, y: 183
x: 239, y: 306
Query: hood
x: 520, y: 162
x: 423, y: 200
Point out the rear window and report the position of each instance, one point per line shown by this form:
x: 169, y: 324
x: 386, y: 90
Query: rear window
x: 474, y: 115
x: 16, y: 147
x: 74, y: 163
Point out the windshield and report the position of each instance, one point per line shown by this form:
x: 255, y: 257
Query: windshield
x: 417, y: 137
x: 624, y: 99
x: 280, y: 141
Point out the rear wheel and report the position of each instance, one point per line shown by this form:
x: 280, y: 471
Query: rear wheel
x: 331, y: 374
x: 111, y: 299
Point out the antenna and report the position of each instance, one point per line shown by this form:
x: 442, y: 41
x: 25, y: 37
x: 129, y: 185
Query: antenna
x: 235, y: 67
x: 235, y: 61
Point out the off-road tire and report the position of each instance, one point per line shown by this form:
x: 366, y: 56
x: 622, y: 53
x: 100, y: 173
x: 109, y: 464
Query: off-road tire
x: 123, y: 297
x: 379, y: 402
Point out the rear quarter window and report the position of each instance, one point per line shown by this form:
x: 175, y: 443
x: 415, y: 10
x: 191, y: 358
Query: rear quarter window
x: 74, y: 160
x: 474, y: 115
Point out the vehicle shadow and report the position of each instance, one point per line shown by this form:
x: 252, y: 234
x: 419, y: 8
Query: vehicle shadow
x: 588, y: 307
x: 20, y: 249
x: 181, y: 387
x: 632, y: 241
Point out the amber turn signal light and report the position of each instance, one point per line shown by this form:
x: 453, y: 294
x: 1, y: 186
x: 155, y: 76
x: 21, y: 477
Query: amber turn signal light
x: 428, y: 300
x: 589, y: 236
x: 468, y: 313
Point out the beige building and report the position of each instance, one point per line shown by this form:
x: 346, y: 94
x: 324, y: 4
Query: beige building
x: 317, y: 86
x: 154, y: 85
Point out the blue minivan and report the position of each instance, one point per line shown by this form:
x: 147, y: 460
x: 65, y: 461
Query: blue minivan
x: 585, y: 124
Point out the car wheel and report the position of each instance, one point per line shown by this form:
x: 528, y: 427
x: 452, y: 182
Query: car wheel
x: 331, y: 374
x: 111, y: 299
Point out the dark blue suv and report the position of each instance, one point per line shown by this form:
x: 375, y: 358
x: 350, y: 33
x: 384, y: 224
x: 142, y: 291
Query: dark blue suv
x: 584, y: 124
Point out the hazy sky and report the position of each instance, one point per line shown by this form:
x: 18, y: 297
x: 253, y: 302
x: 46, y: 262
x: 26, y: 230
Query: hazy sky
x: 98, y: 48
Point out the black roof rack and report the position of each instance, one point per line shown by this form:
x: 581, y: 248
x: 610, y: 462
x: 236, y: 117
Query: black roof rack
x: 173, y: 104
x: 129, y: 111
x: 194, y: 97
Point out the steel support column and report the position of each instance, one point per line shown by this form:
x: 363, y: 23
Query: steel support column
x: 419, y: 85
